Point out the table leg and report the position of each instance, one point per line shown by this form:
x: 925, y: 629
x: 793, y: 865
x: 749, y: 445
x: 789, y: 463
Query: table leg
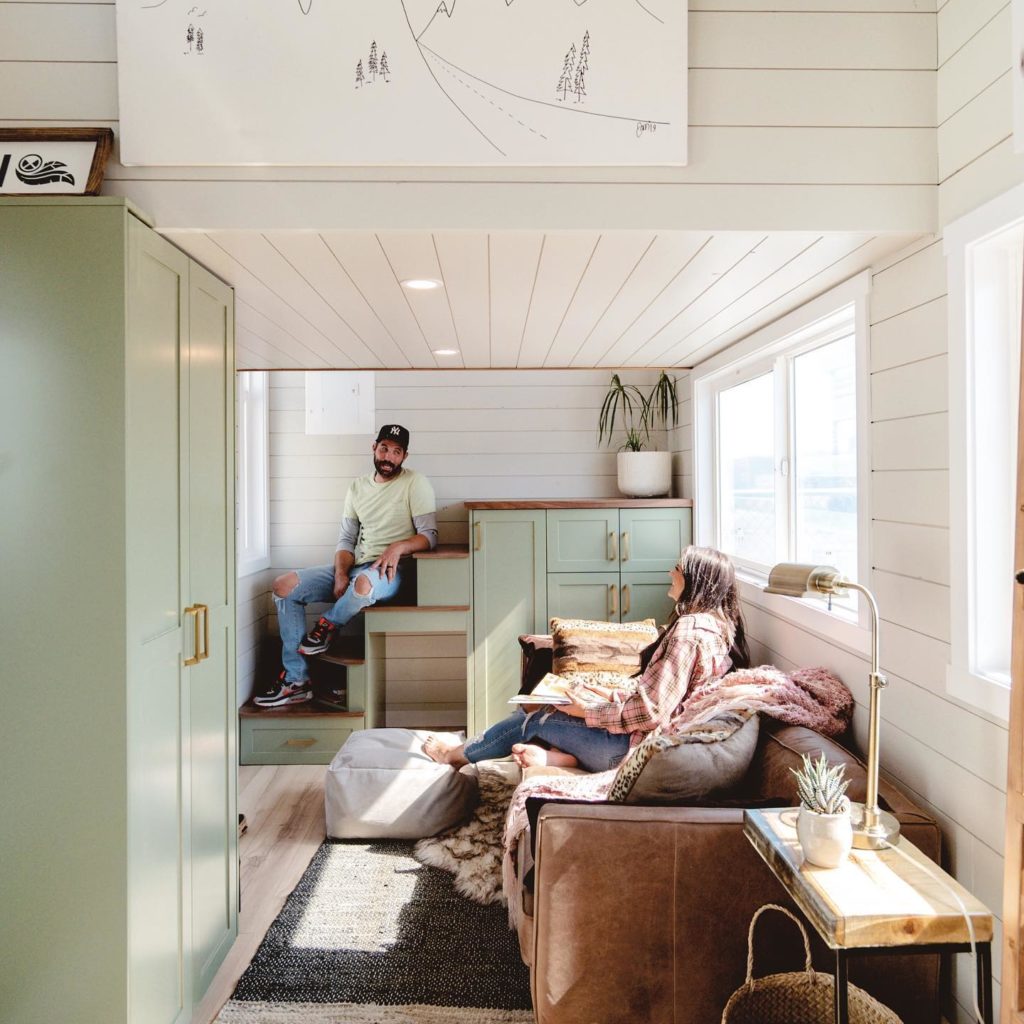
x: 984, y: 960
x: 841, y: 983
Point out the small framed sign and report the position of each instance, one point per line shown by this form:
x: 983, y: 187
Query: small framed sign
x: 53, y: 161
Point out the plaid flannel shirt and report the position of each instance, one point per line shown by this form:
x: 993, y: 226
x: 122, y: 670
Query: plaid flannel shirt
x: 693, y: 651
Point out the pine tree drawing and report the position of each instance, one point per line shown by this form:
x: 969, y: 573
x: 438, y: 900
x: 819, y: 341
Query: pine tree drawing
x: 371, y: 63
x: 565, y: 82
x: 578, y: 86
x: 359, y: 74
x: 190, y: 37
x: 384, y: 69
x: 585, y: 52
x: 199, y: 40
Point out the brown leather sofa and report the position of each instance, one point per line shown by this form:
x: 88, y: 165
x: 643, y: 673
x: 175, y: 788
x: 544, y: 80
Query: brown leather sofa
x: 640, y: 914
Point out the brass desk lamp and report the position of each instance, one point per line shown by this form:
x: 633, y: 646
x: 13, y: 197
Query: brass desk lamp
x: 873, y: 828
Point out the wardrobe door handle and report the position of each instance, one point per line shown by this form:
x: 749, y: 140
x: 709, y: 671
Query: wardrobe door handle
x: 193, y: 610
x: 626, y: 602
x: 625, y: 545
x: 206, y: 630
x: 613, y: 546
x: 478, y: 537
x: 613, y: 600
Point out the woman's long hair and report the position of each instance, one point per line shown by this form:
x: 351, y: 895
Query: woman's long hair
x: 710, y: 587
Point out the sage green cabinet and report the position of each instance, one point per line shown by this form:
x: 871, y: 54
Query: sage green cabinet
x: 531, y: 564
x: 509, y: 598
x: 120, y: 833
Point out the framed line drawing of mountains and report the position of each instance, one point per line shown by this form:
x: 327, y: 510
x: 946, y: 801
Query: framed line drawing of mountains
x: 402, y: 82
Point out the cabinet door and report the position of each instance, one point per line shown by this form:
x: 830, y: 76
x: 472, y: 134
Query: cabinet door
x: 651, y: 539
x: 583, y: 539
x: 209, y: 543
x: 509, y: 598
x: 584, y: 595
x: 644, y: 595
x: 158, y: 921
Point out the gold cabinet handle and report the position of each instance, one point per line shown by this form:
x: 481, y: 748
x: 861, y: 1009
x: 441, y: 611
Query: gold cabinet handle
x: 613, y: 600
x: 206, y: 630
x: 626, y: 602
x: 478, y: 536
x: 613, y: 546
x: 625, y: 545
x: 305, y: 742
x: 197, y: 657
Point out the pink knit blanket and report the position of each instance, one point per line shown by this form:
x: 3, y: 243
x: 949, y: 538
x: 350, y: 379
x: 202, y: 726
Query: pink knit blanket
x: 811, y: 697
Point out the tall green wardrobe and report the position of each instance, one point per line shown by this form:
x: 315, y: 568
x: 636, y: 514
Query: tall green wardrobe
x: 118, y: 818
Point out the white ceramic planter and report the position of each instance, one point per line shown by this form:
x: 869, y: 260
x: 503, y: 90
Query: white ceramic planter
x: 645, y: 474
x: 824, y: 838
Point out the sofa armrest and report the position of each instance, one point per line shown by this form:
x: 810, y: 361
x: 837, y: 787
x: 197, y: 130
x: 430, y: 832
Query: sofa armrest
x: 653, y: 904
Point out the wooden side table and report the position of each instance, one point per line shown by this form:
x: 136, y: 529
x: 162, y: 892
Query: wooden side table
x: 879, y: 901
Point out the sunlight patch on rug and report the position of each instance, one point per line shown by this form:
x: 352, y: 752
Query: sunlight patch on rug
x: 363, y: 1013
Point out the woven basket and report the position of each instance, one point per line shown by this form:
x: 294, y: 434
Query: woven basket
x: 798, y: 997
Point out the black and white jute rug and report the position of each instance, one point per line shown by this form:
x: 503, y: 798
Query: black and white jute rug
x: 372, y: 936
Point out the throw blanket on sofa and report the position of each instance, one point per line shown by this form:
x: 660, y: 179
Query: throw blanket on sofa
x: 811, y: 697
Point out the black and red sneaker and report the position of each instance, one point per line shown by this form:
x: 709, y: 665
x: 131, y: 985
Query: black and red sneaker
x: 318, y: 639
x: 284, y: 692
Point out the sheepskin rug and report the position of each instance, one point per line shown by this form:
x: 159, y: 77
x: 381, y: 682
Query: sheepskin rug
x: 473, y: 851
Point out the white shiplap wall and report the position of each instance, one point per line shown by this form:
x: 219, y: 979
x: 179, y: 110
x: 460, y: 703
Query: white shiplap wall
x: 477, y: 434
x: 803, y: 115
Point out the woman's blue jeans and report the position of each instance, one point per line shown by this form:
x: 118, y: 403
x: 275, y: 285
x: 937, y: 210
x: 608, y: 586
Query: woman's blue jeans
x: 596, y: 750
x: 317, y: 585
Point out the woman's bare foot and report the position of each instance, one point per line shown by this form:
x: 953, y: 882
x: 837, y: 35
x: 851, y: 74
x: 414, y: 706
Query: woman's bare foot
x: 442, y: 754
x: 528, y: 755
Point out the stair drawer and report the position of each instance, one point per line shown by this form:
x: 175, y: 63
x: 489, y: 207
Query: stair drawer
x: 313, y: 740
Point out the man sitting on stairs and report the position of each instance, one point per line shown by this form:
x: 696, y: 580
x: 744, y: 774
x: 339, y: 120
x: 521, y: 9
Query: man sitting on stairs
x: 388, y: 514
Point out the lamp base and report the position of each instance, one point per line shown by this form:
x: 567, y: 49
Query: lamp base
x: 885, y: 833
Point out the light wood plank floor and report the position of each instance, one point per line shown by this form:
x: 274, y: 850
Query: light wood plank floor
x: 284, y: 807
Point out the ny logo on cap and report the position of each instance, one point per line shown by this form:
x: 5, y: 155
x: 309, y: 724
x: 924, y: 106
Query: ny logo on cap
x: 396, y: 430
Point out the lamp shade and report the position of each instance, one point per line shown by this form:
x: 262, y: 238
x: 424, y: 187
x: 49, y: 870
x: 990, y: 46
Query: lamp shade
x: 793, y: 579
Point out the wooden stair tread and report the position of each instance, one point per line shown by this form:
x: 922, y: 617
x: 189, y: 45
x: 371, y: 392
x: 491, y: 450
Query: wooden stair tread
x: 310, y: 709
x: 417, y: 608
x: 444, y: 551
x: 346, y: 650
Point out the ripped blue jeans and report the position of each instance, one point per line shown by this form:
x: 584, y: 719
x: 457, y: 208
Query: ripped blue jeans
x: 596, y: 750
x: 317, y: 585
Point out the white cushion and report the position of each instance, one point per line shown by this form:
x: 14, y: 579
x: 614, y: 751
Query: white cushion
x: 381, y: 785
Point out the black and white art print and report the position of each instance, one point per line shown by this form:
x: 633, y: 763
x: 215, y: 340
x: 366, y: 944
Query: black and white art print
x: 415, y: 82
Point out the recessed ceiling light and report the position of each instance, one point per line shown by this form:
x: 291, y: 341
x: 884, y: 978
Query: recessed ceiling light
x: 446, y: 351
x: 421, y: 284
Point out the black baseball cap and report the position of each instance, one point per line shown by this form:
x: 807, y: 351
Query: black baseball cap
x: 394, y: 432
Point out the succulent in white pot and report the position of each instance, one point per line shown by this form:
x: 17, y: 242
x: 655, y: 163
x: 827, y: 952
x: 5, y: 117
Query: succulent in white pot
x: 641, y: 474
x: 823, y: 823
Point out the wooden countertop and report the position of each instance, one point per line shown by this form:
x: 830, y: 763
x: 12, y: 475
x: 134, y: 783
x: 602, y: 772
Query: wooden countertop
x: 585, y: 503
x: 895, y: 897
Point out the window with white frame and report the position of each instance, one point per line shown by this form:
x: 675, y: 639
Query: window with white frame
x: 253, y: 506
x: 985, y: 252
x: 780, y: 426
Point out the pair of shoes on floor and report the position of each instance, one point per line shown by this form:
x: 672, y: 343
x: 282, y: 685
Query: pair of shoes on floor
x: 284, y: 693
x: 319, y: 638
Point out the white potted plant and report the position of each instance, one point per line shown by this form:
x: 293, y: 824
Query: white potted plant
x: 641, y: 473
x: 823, y: 821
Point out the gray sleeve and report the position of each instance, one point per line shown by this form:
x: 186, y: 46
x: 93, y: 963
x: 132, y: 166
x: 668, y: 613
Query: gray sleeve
x: 348, y: 535
x: 427, y: 526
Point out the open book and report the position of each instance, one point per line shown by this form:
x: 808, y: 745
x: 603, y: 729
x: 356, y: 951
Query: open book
x: 556, y: 690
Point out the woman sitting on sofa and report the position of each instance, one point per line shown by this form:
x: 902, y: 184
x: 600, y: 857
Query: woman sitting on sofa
x: 703, y: 640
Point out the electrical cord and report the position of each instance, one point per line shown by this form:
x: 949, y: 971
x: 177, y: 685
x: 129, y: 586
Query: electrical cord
x: 967, y: 917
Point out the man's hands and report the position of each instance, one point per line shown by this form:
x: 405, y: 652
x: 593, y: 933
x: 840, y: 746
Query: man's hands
x: 340, y: 583
x: 387, y: 563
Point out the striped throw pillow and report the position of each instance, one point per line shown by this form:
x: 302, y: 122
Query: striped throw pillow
x: 605, y: 652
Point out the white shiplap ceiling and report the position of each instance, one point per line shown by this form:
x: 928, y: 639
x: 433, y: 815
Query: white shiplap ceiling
x: 516, y: 299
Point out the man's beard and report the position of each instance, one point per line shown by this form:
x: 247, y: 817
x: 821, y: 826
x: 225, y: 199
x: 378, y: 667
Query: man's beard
x: 386, y: 470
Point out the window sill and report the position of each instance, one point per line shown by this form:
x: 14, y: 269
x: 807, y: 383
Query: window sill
x: 979, y: 692
x: 808, y: 614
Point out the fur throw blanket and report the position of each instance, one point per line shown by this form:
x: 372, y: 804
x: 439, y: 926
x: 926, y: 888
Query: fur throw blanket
x: 811, y: 697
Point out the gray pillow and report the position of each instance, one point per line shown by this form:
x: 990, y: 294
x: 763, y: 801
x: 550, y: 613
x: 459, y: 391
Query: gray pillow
x: 694, y: 768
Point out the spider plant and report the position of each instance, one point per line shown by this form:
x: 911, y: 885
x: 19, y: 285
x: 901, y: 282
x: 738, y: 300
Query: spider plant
x: 639, y: 411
